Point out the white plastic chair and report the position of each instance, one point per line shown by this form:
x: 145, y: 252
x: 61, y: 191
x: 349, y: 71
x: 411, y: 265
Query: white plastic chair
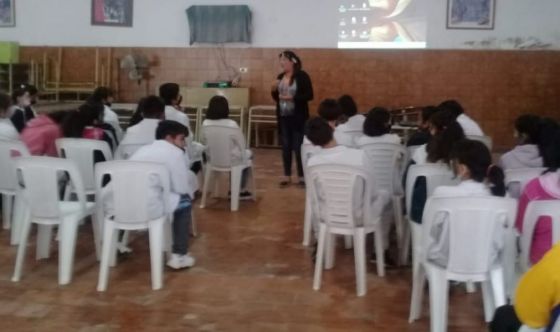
x: 38, y: 183
x: 487, y: 140
x: 470, y: 257
x: 389, y: 161
x: 334, y: 188
x: 517, y: 179
x: 81, y: 151
x: 535, y: 210
x: 307, y: 151
x: 8, y: 187
x: 221, y: 141
x: 436, y: 174
x: 129, y: 187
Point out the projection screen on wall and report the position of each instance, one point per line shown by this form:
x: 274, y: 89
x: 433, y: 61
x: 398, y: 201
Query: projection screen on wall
x: 382, y: 24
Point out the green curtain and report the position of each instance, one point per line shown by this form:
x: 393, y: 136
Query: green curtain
x: 219, y: 24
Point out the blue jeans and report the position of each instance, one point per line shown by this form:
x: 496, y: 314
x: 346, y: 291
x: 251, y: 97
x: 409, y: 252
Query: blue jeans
x: 291, y: 135
x: 182, y: 225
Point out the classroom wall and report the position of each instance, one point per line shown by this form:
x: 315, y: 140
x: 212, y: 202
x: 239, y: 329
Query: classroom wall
x: 286, y: 23
x: 494, y: 86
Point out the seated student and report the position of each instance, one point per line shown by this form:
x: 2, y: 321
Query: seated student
x: 472, y: 164
x: 152, y: 110
x: 87, y: 122
x: 41, y: 133
x: 377, y: 128
x: 470, y: 127
x: 169, y: 92
x: 353, y: 120
x: 422, y: 136
x: 347, y: 131
x: 545, y: 187
x: 104, y: 96
x: 20, y: 101
x: 445, y: 133
x: 7, y: 129
x: 218, y: 115
x: 527, y: 153
x: 320, y: 133
x: 168, y: 149
x: 537, y: 298
x: 330, y: 111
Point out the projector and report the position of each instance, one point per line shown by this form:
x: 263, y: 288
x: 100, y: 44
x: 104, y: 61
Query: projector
x: 217, y: 84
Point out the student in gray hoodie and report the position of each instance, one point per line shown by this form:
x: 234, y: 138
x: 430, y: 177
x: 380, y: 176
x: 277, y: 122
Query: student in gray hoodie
x: 527, y: 154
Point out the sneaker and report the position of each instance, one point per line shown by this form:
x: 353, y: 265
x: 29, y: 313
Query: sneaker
x: 246, y: 195
x: 284, y: 184
x: 178, y: 262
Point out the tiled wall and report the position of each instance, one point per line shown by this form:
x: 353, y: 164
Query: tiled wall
x: 494, y: 86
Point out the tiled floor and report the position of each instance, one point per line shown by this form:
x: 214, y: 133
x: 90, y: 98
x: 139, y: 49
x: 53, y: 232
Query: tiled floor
x: 252, y: 274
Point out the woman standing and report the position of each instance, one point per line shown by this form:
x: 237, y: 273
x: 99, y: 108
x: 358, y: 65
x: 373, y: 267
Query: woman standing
x: 292, y: 91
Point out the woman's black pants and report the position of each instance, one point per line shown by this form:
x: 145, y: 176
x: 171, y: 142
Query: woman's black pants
x: 291, y: 136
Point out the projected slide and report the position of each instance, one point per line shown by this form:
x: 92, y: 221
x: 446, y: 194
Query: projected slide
x: 382, y: 24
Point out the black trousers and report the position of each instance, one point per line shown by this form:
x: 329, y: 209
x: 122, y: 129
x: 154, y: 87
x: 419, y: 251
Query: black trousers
x: 291, y: 136
x: 505, y: 320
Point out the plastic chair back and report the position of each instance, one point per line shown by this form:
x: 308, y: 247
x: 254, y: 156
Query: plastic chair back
x: 535, y: 210
x: 487, y: 140
x: 38, y: 179
x: 220, y: 142
x: 334, y: 189
x: 81, y: 151
x: 9, y: 150
x: 436, y: 175
x: 517, y: 179
x: 389, y: 161
x: 472, y: 223
x: 125, y: 151
x: 130, y: 188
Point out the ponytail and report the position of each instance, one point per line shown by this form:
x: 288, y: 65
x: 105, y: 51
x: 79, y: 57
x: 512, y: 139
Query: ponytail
x: 477, y: 158
x: 496, y: 179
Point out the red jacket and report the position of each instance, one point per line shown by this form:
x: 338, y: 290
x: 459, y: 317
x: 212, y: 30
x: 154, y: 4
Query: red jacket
x: 40, y: 135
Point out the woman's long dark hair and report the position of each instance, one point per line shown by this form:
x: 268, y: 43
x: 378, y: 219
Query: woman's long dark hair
x: 290, y: 55
x: 378, y: 122
x: 448, y: 132
x: 477, y: 158
x: 218, y: 108
x: 74, y: 124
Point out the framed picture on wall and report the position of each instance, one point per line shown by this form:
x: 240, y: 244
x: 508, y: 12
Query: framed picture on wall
x: 7, y: 13
x: 111, y: 12
x: 471, y: 14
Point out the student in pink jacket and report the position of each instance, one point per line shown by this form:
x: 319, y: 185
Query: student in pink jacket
x: 41, y: 133
x: 545, y: 187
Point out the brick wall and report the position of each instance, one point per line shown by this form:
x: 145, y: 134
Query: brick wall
x: 494, y: 86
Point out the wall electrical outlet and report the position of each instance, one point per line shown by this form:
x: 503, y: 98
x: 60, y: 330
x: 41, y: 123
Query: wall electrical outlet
x: 243, y: 70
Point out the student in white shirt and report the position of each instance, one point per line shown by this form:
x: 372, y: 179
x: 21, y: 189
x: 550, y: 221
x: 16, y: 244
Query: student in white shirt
x: 105, y: 96
x: 7, y: 130
x: 445, y: 132
x: 346, y: 132
x: 169, y: 149
x: 472, y: 163
x: 470, y: 127
x: 320, y: 133
x: 144, y: 132
x: 169, y: 92
x: 218, y: 115
x: 377, y: 128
